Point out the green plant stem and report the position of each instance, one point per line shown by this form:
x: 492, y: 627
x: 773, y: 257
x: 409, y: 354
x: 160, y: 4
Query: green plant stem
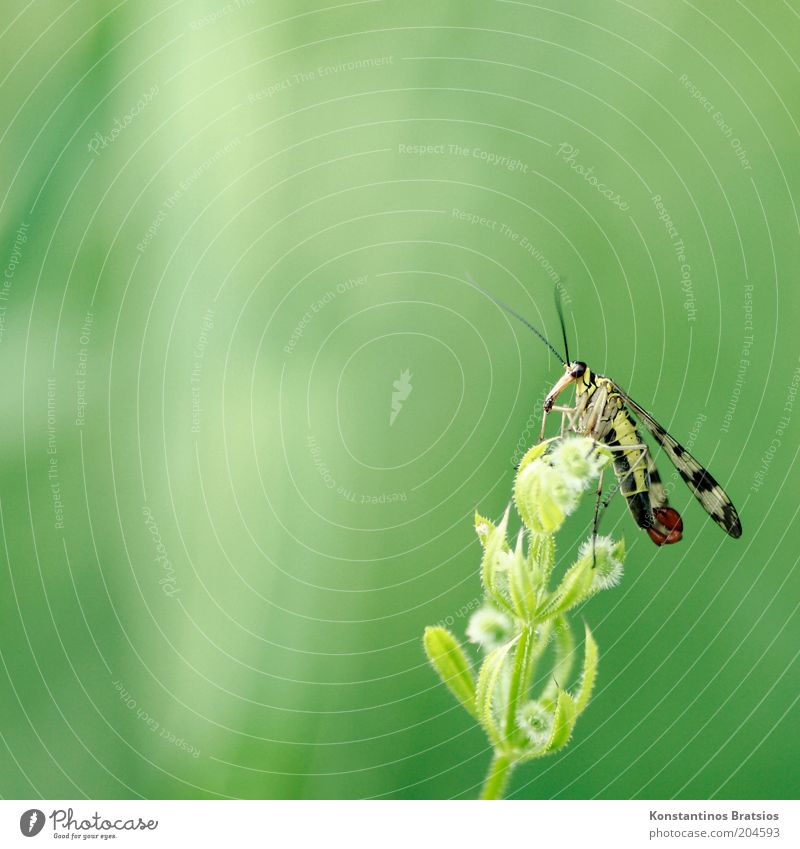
x: 497, y: 778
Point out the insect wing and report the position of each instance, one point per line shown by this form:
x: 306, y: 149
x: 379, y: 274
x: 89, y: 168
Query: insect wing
x: 705, y: 488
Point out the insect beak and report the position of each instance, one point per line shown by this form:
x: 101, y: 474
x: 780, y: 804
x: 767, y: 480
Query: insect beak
x: 562, y: 384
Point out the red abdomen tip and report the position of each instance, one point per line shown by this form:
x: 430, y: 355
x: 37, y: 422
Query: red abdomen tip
x: 671, y: 526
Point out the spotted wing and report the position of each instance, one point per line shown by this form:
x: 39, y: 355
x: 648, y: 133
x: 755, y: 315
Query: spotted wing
x: 707, y: 491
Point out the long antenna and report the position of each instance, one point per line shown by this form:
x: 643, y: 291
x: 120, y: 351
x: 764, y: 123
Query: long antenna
x: 560, y: 310
x: 518, y: 316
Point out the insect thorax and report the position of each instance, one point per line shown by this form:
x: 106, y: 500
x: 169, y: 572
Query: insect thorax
x: 597, y: 406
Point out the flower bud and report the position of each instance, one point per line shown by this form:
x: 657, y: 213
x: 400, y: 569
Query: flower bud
x: 551, y: 477
x: 496, y: 554
x: 607, y: 557
x: 536, y: 721
x: 543, y: 497
x: 579, y: 459
x: 483, y: 528
x: 490, y: 628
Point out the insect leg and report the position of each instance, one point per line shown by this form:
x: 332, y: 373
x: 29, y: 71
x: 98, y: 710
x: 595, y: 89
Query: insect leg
x: 637, y: 501
x: 599, y: 404
x: 601, y: 503
x: 562, y: 409
x: 565, y: 411
x: 596, y: 521
x: 644, y: 453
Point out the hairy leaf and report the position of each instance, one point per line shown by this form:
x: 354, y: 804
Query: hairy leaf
x: 589, y: 675
x: 450, y: 662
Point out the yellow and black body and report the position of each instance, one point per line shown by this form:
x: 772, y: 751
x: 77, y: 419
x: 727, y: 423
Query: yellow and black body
x: 602, y: 411
x: 605, y: 412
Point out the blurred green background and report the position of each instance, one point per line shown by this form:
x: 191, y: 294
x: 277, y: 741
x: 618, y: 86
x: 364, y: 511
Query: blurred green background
x: 228, y: 229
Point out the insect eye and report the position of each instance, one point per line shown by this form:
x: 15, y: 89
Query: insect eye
x: 578, y: 369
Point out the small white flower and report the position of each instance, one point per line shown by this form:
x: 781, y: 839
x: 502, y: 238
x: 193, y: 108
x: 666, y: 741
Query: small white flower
x: 489, y: 628
x: 536, y: 721
x: 503, y: 560
x: 579, y: 461
x: 607, y: 563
